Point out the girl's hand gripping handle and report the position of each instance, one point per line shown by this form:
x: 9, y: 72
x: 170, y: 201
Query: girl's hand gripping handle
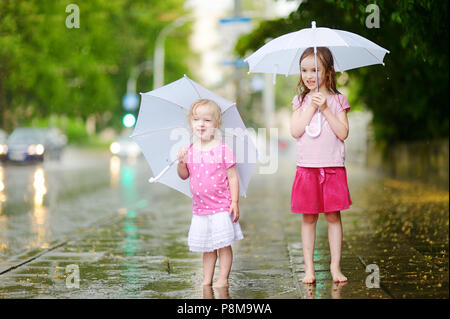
x: 181, y: 155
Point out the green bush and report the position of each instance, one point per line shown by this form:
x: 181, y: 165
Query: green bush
x: 74, y: 128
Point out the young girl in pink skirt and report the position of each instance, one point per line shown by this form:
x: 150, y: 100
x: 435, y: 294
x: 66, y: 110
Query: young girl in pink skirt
x: 210, y: 166
x: 320, y: 184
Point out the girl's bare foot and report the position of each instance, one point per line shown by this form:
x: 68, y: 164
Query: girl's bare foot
x: 309, y: 278
x: 206, y: 283
x: 220, y: 283
x: 337, y: 274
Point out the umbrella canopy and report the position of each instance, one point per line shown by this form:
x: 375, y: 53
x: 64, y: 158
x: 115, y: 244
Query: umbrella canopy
x: 282, y: 55
x: 163, y: 112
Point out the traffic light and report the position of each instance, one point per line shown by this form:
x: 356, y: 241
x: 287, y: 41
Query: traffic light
x: 130, y: 102
x: 129, y: 120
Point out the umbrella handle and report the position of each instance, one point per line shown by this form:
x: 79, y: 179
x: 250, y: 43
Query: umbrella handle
x: 156, y: 178
x: 319, y: 122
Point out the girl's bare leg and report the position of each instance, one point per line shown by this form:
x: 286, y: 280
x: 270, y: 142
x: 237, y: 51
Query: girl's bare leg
x: 308, y: 241
x: 335, y: 240
x: 225, y: 261
x: 209, y: 263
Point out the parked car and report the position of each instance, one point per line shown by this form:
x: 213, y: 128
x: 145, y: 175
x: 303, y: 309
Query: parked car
x: 33, y: 144
x: 3, y: 147
x: 125, y: 146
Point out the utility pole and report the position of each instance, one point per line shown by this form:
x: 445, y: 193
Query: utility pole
x: 158, y: 58
x: 131, y: 83
x: 130, y: 100
x: 269, y: 86
x: 237, y: 72
x: 237, y: 8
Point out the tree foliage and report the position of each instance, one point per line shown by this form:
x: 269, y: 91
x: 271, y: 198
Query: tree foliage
x: 47, y: 68
x: 408, y: 96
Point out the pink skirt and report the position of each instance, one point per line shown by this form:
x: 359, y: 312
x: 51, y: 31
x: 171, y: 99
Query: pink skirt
x: 320, y: 190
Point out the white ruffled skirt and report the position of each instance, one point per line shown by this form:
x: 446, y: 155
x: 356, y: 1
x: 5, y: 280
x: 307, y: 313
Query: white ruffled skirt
x: 210, y: 232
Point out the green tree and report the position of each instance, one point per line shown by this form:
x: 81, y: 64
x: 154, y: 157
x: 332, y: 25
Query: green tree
x: 47, y: 68
x: 408, y: 96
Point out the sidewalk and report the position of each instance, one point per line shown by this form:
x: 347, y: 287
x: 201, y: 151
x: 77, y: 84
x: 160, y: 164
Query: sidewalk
x: 119, y: 260
x: 142, y: 253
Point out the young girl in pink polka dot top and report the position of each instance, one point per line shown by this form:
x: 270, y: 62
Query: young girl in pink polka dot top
x: 210, y: 166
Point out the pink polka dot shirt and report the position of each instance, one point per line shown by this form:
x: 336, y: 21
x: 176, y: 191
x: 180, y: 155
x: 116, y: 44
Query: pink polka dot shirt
x: 208, y: 179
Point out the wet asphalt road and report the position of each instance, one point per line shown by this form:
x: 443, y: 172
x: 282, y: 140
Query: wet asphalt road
x: 43, y: 202
x: 128, y: 238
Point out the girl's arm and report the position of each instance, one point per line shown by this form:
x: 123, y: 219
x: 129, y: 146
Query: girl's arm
x: 300, y: 120
x: 234, y: 190
x: 182, y: 169
x: 338, y: 123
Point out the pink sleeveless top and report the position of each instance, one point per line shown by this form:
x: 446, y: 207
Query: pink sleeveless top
x: 325, y: 150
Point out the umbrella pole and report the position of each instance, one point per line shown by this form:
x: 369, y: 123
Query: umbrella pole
x: 319, y: 117
x: 317, y: 74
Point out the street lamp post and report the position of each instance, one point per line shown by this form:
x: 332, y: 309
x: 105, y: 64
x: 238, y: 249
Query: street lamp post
x: 269, y: 87
x: 131, y: 83
x: 158, y: 58
x: 130, y: 100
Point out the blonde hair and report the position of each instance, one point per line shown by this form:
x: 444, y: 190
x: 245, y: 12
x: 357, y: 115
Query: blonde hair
x: 216, y: 110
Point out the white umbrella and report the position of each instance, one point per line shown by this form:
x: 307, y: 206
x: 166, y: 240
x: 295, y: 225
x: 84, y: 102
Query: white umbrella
x: 163, y: 112
x: 282, y: 55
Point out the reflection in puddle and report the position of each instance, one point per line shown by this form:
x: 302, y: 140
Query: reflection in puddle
x: 129, y: 247
x: 131, y: 243
x: 114, y: 170
x: 2, y: 188
x: 210, y: 293
x: 39, y: 217
x: 124, y: 174
x: 3, y: 218
x: 3, y: 239
x: 318, y: 290
x: 336, y: 289
x: 39, y: 192
x: 310, y: 290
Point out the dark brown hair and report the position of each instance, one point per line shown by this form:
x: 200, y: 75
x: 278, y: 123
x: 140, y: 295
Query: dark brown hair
x: 326, y: 58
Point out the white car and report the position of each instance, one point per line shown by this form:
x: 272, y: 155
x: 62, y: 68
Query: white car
x: 125, y: 146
